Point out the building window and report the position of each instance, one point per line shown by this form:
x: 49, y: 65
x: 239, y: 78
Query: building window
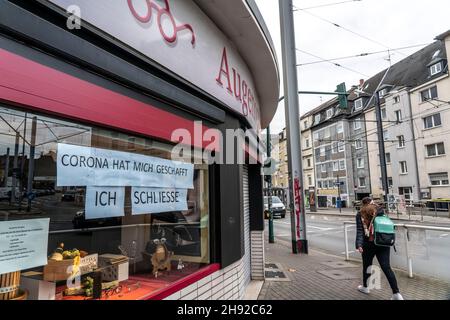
x: 336, y: 166
x: 362, y: 182
x: 383, y: 92
x: 432, y: 121
x: 329, y: 113
x: 319, y: 184
x: 403, y: 167
x: 388, y: 157
x: 360, y: 163
x: 316, y: 136
x: 436, y: 68
x: 400, y: 141
x: 429, y: 94
x: 341, y: 146
x: 390, y: 182
x: 358, y: 144
x: 357, y: 124
x: 307, y: 142
x: 436, y: 149
x: 340, y: 127
x: 396, y: 99
x: 305, y: 124
x: 439, y: 179
x: 383, y: 113
x: 341, y: 164
x: 308, y: 161
x: 398, y: 115
x: 317, y: 118
x: 322, y: 151
x: 310, y: 180
x: 326, y: 133
x: 385, y: 135
x: 334, y: 147
x: 358, y: 104
x: 323, y: 168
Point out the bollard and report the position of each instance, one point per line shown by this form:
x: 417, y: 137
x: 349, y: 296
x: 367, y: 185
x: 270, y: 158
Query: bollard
x: 346, y: 241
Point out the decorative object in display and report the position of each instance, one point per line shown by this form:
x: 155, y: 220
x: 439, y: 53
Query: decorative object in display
x: 113, y: 267
x: 161, y: 258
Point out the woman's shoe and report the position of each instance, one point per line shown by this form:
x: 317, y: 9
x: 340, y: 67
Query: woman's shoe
x: 397, y: 296
x: 363, y: 289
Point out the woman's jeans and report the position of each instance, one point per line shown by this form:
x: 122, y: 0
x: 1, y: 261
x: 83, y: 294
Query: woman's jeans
x: 371, y: 250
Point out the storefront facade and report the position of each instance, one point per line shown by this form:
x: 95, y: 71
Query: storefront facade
x: 89, y: 108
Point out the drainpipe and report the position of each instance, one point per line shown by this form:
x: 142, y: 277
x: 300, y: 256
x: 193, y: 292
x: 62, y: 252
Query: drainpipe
x: 411, y: 124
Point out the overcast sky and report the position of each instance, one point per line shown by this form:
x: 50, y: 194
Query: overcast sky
x: 389, y: 23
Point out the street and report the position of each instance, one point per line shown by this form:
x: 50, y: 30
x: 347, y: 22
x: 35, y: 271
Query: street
x: 326, y: 233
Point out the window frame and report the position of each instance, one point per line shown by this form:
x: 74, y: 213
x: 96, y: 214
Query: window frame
x: 433, y: 121
x: 360, y: 104
x: 403, y: 167
x: 356, y: 144
x: 428, y: 91
x: 360, y: 163
x: 440, y: 180
x: 357, y: 124
x: 436, y: 150
x: 359, y: 182
x: 401, y: 143
x: 434, y: 68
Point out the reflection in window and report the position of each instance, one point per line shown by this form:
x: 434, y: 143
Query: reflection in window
x: 29, y: 190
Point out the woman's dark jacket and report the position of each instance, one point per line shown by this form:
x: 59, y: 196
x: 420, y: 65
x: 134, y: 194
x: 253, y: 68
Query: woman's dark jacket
x: 360, y: 236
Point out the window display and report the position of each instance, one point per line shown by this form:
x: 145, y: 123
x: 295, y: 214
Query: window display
x: 124, y: 220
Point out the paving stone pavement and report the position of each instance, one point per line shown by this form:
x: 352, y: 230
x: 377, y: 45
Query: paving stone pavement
x: 310, y: 282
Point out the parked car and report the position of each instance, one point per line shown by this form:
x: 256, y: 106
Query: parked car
x: 278, y: 208
x: 80, y: 222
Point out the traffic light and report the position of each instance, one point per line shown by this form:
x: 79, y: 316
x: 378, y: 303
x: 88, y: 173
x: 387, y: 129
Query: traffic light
x: 342, y: 96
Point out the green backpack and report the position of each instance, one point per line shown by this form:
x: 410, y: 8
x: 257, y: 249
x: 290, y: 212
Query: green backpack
x: 384, y: 231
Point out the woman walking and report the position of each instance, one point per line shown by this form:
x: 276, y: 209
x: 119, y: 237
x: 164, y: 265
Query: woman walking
x: 366, y: 246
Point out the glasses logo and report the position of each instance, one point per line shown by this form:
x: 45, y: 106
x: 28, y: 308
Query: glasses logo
x: 169, y: 36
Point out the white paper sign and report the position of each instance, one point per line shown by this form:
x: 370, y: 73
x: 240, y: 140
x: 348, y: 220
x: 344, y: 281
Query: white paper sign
x: 104, y: 202
x: 85, y: 166
x: 23, y: 244
x: 154, y: 200
x: 89, y: 263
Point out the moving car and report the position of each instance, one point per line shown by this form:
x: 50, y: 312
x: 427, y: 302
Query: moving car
x: 278, y: 208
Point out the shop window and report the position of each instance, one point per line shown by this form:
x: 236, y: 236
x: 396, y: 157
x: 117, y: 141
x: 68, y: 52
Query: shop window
x: 141, y: 219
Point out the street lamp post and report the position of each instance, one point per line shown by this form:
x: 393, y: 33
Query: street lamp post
x: 381, y: 148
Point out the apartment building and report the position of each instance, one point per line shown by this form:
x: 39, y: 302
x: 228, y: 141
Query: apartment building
x: 280, y: 178
x: 430, y: 114
x: 411, y: 116
x: 307, y: 155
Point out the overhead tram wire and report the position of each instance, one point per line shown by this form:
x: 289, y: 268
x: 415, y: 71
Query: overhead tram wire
x: 360, y: 55
x: 328, y: 5
x: 346, y: 29
x: 333, y: 63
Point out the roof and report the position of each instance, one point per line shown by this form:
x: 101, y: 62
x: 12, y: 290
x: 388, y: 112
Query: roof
x: 409, y: 72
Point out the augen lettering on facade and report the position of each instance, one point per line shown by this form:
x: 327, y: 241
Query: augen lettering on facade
x: 242, y: 92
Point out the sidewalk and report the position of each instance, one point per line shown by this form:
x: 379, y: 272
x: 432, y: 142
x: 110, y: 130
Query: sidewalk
x: 319, y: 276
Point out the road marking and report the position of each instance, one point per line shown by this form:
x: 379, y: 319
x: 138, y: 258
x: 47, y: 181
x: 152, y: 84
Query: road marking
x: 443, y: 235
x: 353, y: 251
x: 325, y: 218
x: 320, y: 228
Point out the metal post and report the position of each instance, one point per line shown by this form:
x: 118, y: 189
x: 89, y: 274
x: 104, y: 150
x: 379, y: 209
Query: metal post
x: 269, y: 191
x: 15, y: 169
x: 339, y: 194
x: 22, y: 163
x: 408, y: 257
x: 31, y: 163
x: 381, y: 149
x: 6, y: 174
x: 292, y: 114
x: 346, y: 241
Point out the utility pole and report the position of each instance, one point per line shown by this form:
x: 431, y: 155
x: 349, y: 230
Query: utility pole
x: 297, y: 204
x: 381, y: 149
x: 269, y: 189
